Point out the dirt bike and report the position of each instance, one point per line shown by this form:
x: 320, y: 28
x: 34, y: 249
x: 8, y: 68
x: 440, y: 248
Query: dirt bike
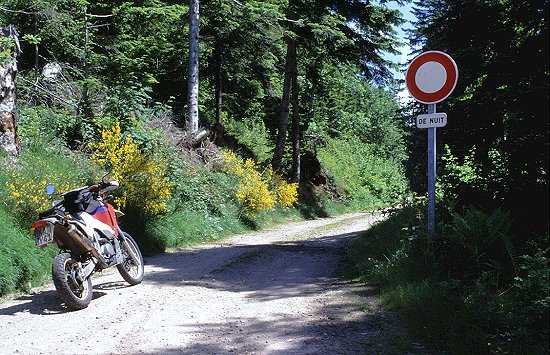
x: 85, y: 227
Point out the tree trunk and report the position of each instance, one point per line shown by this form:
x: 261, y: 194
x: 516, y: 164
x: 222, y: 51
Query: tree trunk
x: 295, y: 126
x: 193, y: 83
x: 8, y: 115
x: 36, y: 64
x: 283, y: 117
x: 85, y: 107
x: 218, y: 127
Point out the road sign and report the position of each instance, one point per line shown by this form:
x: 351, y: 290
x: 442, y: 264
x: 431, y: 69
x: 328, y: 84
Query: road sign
x: 438, y: 119
x: 431, y: 77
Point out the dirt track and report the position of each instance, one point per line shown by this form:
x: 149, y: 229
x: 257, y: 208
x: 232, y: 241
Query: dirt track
x: 271, y: 292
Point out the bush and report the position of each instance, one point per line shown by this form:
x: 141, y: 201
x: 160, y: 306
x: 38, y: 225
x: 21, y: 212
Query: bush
x: 142, y: 175
x: 252, y: 134
x: 466, y: 181
x: 470, y: 290
x: 23, y: 181
x: 258, y: 191
x: 22, y: 264
x: 370, y: 181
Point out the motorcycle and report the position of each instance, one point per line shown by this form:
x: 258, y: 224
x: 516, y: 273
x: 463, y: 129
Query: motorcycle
x: 85, y: 227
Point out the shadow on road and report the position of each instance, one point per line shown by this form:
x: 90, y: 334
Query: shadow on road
x: 279, y: 270
x: 271, y: 272
x: 42, y: 303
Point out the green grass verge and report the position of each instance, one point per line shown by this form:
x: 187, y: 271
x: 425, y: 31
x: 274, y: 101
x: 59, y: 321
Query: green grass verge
x: 457, y: 303
x: 22, y: 264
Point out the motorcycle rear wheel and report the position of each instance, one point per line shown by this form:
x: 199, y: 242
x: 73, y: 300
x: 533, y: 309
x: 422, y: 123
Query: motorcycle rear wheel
x: 75, y: 295
x: 130, y: 270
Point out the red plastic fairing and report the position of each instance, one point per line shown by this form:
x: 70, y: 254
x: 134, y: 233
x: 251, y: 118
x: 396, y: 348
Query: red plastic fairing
x: 106, y: 214
x: 39, y: 224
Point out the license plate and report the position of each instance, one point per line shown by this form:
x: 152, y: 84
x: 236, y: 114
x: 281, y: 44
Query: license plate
x: 43, y: 235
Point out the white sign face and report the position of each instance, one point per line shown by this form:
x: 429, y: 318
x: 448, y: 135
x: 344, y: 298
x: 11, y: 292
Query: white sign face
x: 430, y: 120
x: 430, y: 77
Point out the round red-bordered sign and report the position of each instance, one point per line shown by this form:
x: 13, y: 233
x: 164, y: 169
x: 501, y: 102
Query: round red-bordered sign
x: 431, y: 77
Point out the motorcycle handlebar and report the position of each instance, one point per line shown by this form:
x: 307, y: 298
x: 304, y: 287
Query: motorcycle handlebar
x: 109, y: 185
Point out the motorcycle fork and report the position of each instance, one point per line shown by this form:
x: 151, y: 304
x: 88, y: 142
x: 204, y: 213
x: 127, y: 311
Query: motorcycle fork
x: 130, y: 250
x: 118, y: 251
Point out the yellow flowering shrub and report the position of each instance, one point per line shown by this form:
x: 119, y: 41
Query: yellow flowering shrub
x: 258, y: 190
x: 27, y: 190
x: 143, y: 176
x: 287, y: 193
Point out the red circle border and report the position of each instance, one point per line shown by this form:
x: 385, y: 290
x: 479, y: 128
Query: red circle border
x: 452, y: 77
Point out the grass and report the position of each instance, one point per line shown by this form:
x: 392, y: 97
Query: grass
x: 22, y: 264
x: 452, y: 301
x: 408, y: 283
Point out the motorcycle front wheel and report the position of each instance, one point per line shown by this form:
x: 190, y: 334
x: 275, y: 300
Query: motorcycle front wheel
x: 76, y: 294
x: 131, y: 269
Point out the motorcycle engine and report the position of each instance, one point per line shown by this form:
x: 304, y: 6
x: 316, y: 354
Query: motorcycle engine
x: 107, y: 249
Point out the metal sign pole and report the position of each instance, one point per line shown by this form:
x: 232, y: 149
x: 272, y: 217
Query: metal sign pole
x: 431, y: 175
x: 428, y: 84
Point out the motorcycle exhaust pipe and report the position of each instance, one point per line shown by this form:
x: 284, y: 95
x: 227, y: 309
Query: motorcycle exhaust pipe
x: 80, y: 244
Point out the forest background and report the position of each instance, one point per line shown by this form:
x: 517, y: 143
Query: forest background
x: 304, y: 121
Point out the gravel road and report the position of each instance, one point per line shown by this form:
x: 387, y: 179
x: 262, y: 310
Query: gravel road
x: 270, y: 292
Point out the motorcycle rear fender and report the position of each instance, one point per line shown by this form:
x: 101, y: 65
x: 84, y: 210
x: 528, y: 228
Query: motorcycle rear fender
x: 43, y: 222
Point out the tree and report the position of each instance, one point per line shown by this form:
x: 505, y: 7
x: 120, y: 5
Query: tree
x: 241, y: 48
x: 290, y: 73
x: 501, y: 102
x: 9, y: 46
x: 193, y: 84
x: 331, y: 34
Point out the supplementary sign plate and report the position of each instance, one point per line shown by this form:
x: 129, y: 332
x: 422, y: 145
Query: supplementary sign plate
x: 431, y: 120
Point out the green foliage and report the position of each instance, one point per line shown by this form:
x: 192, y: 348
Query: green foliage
x: 253, y: 135
x: 32, y: 39
x: 22, y: 264
x: 6, y: 49
x: 349, y: 106
x: 482, y: 294
x: 497, y: 110
x: 470, y: 181
x: 149, y: 39
x: 480, y: 240
x: 369, y: 181
x: 43, y: 161
x: 38, y: 124
x: 201, y: 189
x: 241, y: 50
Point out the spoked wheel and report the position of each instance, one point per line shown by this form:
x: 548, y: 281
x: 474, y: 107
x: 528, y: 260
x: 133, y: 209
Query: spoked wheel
x: 76, y: 293
x: 131, y: 268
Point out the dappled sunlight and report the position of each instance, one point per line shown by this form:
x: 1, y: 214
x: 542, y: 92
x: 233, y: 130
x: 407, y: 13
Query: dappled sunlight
x: 265, y: 271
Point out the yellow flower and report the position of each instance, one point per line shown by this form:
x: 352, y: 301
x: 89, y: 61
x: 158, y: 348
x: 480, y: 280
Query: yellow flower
x: 143, y: 176
x: 258, y: 190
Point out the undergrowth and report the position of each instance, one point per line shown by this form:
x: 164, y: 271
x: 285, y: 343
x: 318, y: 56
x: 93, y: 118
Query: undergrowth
x: 22, y: 264
x: 469, y: 291
x: 170, y: 200
x: 369, y: 181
